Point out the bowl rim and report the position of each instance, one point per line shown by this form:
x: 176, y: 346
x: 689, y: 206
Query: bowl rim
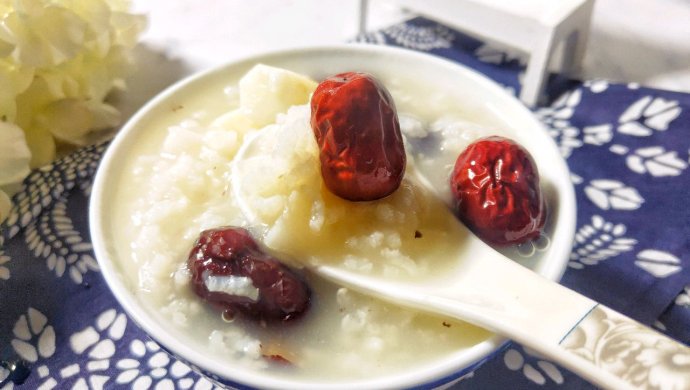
x: 449, y: 368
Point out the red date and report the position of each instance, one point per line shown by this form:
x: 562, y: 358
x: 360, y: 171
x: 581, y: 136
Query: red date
x: 360, y: 145
x: 495, y: 185
x: 229, y: 251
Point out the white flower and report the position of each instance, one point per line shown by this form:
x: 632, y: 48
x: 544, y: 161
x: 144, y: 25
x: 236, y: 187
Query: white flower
x: 58, y: 61
x: 150, y: 365
x: 14, y: 163
x: 68, y: 252
x: 516, y: 361
x: 598, y: 241
x: 598, y: 134
x: 5, y: 205
x: 658, y: 263
x: 96, y: 344
x: 648, y: 114
x: 667, y: 367
x: 557, y: 119
x: 14, y: 155
x: 421, y: 37
x: 657, y: 161
x: 612, y: 194
x: 33, y: 337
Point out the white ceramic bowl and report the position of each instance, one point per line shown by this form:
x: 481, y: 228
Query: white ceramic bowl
x: 480, y: 95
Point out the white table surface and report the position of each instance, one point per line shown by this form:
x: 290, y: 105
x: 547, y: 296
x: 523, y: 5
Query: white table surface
x: 643, y: 41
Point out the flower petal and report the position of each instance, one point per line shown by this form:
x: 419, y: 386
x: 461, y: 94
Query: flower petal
x: 14, y: 156
x: 5, y: 206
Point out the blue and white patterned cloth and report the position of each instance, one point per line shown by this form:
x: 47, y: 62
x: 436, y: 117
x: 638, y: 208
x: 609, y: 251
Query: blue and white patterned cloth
x: 628, y: 148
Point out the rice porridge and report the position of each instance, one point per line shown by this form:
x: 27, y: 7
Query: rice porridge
x: 179, y: 185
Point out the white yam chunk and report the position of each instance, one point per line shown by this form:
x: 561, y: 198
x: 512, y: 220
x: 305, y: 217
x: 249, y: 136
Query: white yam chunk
x: 266, y: 91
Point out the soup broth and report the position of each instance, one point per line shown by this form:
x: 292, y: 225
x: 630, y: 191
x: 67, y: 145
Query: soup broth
x: 180, y: 184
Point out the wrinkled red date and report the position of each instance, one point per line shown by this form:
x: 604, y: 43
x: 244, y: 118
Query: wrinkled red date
x: 360, y: 145
x: 232, y: 251
x: 495, y: 185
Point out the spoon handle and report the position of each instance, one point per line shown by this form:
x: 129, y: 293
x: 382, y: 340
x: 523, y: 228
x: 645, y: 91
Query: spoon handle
x: 634, y: 355
x: 598, y: 343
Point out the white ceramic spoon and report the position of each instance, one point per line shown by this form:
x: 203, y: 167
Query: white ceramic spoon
x: 489, y: 290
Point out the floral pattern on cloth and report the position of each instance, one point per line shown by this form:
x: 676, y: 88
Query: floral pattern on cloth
x: 629, y: 153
